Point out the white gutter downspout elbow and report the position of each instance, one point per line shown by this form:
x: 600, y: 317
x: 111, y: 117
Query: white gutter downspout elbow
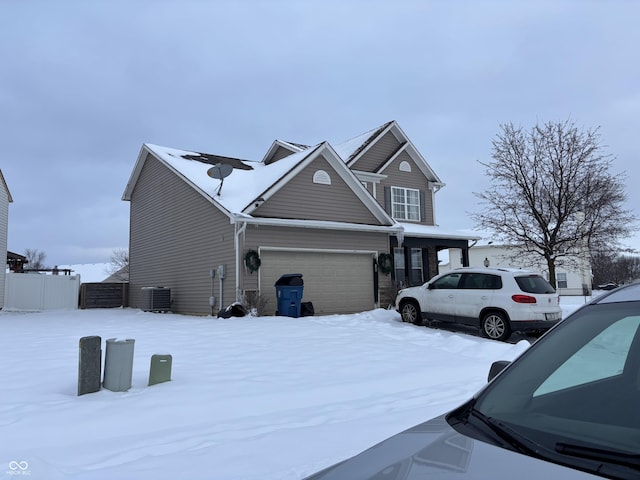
x: 240, y: 227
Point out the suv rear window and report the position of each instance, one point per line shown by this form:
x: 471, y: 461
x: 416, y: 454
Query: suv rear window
x: 534, y: 284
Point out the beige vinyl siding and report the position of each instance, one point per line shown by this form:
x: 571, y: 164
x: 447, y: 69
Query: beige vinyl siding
x: 300, y: 198
x: 279, y: 154
x: 414, y: 179
x: 4, y: 225
x: 309, y: 239
x: 378, y: 154
x: 176, y: 237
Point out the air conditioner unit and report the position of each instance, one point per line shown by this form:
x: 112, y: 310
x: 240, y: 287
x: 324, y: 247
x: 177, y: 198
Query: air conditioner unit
x: 156, y: 299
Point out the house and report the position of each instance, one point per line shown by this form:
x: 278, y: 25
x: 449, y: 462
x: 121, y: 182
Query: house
x: 16, y: 262
x: 356, y: 219
x: 571, y: 279
x: 5, y: 200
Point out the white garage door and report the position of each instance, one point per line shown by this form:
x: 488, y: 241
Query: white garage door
x: 333, y: 282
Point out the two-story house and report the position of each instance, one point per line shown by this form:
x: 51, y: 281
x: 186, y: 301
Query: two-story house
x: 5, y: 200
x: 215, y: 228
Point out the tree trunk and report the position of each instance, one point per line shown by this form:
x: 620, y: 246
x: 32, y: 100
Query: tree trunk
x: 552, y: 271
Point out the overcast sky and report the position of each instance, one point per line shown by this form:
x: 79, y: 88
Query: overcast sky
x: 84, y: 84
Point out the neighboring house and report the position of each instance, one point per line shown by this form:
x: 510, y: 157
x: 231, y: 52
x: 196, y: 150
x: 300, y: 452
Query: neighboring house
x: 16, y: 262
x: 574, y: 280
x: 327, y: 211
x: 5, y: 200
x: 119, y: 276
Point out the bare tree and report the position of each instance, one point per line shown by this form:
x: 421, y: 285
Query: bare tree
x: 119, y: 264
x: 614, y: 267
x: 552, y: 196
x: 35, y: 259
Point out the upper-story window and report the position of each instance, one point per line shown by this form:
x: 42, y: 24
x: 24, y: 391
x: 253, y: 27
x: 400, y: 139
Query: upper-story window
x: 405, y: 203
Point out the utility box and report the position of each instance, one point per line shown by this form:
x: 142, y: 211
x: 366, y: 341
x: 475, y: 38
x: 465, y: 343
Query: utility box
x: 160, y: 370
x: 289, y: 289
x: 155, y: 299
x: 89, y: 365
x: 118, y: 365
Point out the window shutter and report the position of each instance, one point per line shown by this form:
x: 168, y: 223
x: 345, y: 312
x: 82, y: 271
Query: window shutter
x: 423, y: 207
x: 387, y: 200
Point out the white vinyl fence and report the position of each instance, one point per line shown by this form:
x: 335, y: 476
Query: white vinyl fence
x: 32, y: 291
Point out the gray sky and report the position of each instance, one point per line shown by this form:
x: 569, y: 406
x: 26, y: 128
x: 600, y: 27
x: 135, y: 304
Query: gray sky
x: 84, y: 84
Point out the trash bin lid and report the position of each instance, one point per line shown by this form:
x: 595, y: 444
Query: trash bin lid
x: 290, y: 279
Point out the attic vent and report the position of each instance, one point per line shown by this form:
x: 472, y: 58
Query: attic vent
x: 404, y: 166
x: 321, y: 177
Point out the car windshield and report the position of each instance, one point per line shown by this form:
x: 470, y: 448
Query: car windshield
x: 576, y: 392
x: 534, y: 284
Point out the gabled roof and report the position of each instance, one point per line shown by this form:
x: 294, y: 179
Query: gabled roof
x: 352, y: 150
x: 277, y: 144
x: 249, y: 180
x: 4, y: 184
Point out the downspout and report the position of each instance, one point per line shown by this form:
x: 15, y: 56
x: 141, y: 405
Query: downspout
x: 240, y: 227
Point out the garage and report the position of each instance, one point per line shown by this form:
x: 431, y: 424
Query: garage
x: 334, y: 281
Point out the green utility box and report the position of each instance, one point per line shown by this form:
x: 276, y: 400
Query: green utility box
x: 160, y: 370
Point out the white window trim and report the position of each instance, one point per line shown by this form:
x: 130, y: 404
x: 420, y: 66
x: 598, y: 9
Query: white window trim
x: 405, y: 204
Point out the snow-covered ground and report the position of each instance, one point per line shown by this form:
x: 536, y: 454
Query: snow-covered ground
x: 250, y: 398
x: 89, y: 272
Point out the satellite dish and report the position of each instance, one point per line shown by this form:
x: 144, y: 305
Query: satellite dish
x: 219, y: 171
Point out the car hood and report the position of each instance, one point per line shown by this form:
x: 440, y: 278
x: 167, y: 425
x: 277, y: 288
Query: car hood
x: 433, y: 450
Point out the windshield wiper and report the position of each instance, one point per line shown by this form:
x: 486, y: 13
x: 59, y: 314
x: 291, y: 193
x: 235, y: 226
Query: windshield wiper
x: 613, y: 464
x: 517, y: 441
x: 599, y: 454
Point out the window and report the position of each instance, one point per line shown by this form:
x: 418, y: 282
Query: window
x: 405, y: 203
x: 534, y: 284
x: 561, y: 280
x: 415, y: 275
x: 603, y: 357
x: 448, y: 281
x: 481, y: 281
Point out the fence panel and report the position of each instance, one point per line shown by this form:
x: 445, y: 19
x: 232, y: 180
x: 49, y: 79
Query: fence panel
x: 31, y: 291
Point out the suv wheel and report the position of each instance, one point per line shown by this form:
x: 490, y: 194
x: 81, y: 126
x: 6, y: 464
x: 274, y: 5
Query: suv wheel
x: 410, y: 312
x: 495, y: 326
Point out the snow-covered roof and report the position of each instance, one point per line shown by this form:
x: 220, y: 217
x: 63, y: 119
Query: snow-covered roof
x: 249, y: 181
x: 240, y: 188
x: 432, y: 231
x: 350, y: 148
x: 89, y: 272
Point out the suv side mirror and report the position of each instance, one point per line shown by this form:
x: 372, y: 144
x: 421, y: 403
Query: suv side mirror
x: 496, y: 368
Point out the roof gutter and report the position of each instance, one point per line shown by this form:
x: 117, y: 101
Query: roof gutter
x: 319, y: 224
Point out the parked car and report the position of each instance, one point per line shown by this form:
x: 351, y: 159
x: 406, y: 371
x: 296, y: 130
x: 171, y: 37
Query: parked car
x: 567, y: 408
x: 497, y: 300
x: 608, y: 286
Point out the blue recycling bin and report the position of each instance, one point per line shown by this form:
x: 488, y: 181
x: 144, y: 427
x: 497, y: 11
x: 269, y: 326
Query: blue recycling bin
x: 289, y: 288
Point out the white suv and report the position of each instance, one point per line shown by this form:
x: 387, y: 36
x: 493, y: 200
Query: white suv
x: 497, y: 300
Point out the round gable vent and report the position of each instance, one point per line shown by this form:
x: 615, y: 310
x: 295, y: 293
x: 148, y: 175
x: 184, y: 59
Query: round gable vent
x: 321, y: 177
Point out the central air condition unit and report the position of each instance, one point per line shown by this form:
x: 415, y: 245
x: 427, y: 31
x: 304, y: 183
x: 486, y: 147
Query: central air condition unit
x: 156, y: 299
